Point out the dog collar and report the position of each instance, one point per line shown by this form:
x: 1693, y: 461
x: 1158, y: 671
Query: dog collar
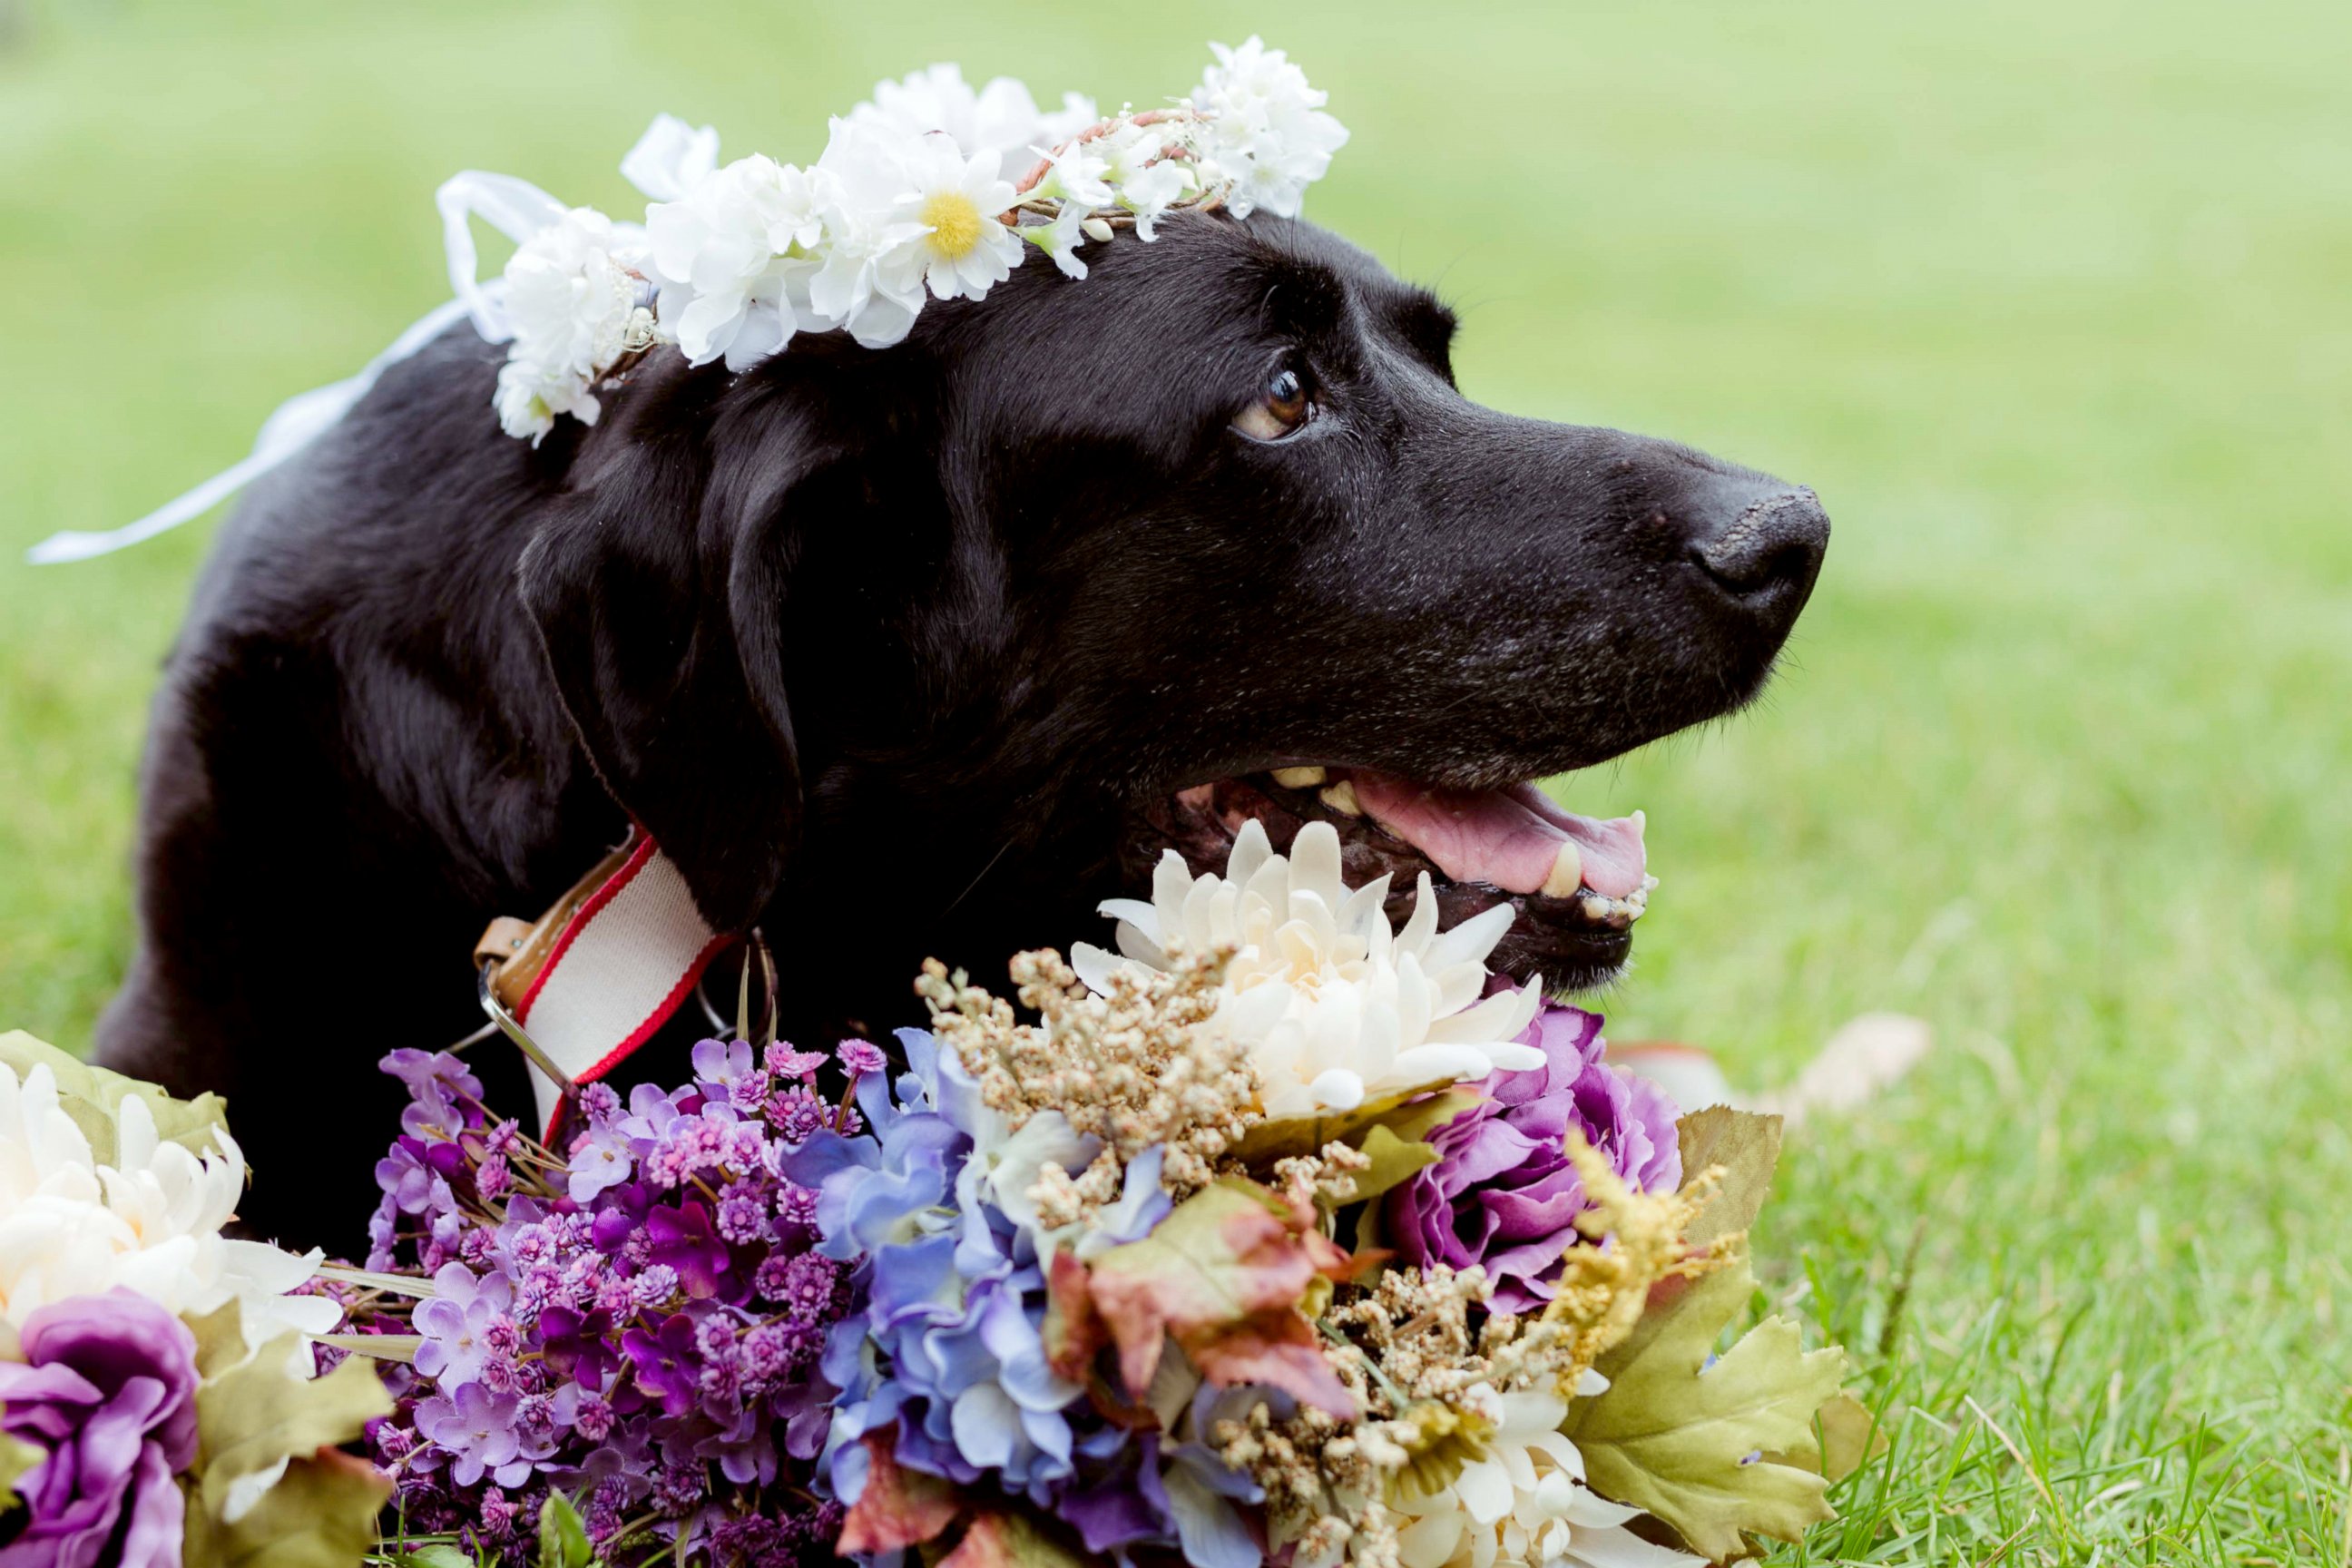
x: 583, y: 987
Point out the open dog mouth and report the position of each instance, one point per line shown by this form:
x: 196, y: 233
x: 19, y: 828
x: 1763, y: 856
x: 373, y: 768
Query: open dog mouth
x: 1578, y: 883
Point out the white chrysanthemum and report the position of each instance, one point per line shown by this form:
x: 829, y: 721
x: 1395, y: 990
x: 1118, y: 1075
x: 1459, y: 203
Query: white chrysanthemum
x: 1525, y: 1505
x: 1267, y: 132
x: 1001, y: 118
x: 723, y: 255
x: 1336, y: 1008
x: 957, y: 200
x: 150, y: 1223
x: 569, y: 297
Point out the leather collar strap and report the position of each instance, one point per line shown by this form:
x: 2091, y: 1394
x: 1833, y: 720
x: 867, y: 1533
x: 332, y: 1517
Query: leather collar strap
x: 593, y: 979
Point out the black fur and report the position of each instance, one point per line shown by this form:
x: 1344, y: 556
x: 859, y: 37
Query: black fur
x: 884, y: 647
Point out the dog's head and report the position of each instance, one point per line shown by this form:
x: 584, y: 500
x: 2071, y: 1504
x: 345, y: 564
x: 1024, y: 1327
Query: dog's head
x: 926, y: 649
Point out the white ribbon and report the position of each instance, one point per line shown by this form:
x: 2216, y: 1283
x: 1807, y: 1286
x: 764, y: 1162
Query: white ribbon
x: 283, y: 434
x: 516, y: 208
x: 665, y: 163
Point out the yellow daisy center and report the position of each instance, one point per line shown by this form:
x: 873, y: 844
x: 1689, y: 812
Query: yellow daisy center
x: 955, y: 224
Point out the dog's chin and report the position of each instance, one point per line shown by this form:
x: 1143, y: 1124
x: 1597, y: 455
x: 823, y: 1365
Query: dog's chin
x: 1576, y: 885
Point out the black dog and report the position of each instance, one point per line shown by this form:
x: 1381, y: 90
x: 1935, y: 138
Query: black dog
x: 902, y: 653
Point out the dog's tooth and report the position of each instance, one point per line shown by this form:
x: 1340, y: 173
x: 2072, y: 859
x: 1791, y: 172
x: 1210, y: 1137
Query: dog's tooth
x: 1648, y: 883
x: 1566, y: 872
x: 1300, y: 778
x: 1593, y: 906
x: 1341, y: 797
x: 1641, y: 822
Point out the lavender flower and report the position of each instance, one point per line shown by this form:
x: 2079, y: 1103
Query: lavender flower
x: 604, y: 1331
x: 458, y: 1321
x: 1502, y: 1194
x: 861, y: 1057
x: 107, y: 1393
x: 476, y: 1429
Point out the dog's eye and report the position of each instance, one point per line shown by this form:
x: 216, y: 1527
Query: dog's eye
x: 1287, y: 403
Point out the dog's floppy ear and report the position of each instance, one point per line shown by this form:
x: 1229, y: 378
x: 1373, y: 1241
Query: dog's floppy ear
x: 659, y: 586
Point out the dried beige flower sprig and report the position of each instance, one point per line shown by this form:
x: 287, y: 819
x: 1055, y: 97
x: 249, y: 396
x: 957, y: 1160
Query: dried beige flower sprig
x: 1132, y: 1067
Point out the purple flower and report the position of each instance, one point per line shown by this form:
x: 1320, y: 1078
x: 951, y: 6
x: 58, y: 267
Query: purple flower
x: 498, y: 1514
x: 106, y: 1393
x: 460, y: 1322
x: 666, y: 1363
x: 438, y: 1084
x: 742, y: 1215
x: 724, y: 1071
x: 782, y: 1061
x: 1502, y: 1194
x: 405, y: 1178
x: 861, y: 1057
x: 477, y: 1430
x: 799, y: 1113
x: 600, y: 1158
x: 684, y: 1242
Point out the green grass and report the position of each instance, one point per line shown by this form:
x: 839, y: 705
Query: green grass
x: 2050, y: 302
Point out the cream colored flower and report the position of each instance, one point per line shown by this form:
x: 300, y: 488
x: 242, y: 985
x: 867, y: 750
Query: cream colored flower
x: 1336, y: 1008
x: 1524, y: 1505
x: 150, y: 1223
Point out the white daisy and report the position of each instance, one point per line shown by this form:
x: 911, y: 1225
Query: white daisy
x: 959, y: 201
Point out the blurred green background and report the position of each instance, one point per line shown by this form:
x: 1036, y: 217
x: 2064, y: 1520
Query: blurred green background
x: 2052, y: 303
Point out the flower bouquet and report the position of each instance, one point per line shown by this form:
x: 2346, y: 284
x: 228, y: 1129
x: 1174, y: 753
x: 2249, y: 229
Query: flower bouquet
x: 163, y: 1399
x: 1285, y: 1236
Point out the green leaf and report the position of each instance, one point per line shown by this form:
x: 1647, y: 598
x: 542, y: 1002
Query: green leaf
x: 380, y: 1347
x: 437, y: 1554
x: 18, y: 1459
x: 1407, y: 1114
x: 320, y: 1514
x: 1747, y: 1147
x: 256, y: 1417
x: 1392, y: 1160
x: 562, y: 1535
x: 1670, y: 1439
x: 93, y: 1096
x: 1850, y: 1439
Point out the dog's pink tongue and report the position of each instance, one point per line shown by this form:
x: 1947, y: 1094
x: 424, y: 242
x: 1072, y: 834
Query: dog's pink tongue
x: 1510, y: 838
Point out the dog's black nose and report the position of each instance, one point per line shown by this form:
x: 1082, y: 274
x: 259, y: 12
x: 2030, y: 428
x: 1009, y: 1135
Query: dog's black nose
x: 1771, y: 545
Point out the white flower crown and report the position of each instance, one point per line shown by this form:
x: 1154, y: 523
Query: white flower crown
x: 731, y: 262
x: 911, y: 196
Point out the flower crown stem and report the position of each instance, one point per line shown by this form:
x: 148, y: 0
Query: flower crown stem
x: 1100, y: 128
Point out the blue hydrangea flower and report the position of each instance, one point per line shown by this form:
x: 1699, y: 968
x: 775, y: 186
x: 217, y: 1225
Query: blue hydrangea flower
x: 949, y: 1344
